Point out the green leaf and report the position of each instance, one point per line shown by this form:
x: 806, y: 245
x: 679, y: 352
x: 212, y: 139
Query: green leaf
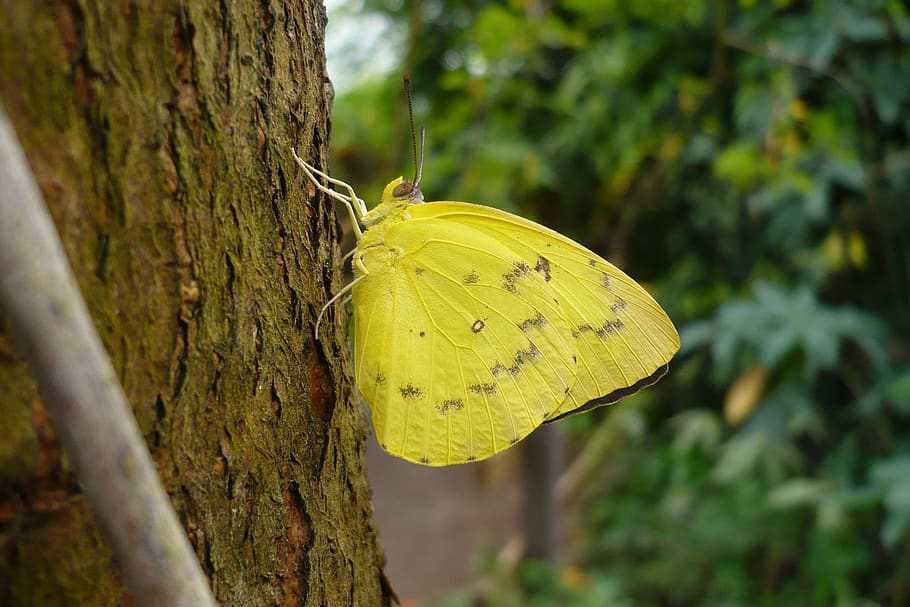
x: 798, y: 492
x: 892, y: 477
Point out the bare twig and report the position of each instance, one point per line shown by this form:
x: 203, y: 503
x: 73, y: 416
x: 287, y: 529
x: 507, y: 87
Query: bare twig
x: 80, y: 389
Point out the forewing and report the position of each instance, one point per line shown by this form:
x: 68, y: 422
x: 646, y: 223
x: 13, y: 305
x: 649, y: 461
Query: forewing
x: 460, y: 347
x: 622, y: 337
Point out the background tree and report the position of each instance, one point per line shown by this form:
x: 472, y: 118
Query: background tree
x: 749, y: 162
x: 160, y: 134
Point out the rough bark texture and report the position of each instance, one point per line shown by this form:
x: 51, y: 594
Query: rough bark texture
x: 160, y: 134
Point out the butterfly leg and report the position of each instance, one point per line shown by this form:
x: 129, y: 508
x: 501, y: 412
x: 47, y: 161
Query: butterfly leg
x: 355, y: 206
x: 347, y: 256
x: 357, y: 263
x: 336, y: 297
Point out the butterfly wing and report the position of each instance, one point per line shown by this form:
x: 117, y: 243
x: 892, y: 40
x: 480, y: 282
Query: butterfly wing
x: 460, y: 347
x: 622, y: 338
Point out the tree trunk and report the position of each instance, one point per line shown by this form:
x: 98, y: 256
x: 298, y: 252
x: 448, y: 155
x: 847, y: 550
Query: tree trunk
x: 160, y: 134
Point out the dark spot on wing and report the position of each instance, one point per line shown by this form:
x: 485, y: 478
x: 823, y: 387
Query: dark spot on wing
x: 471, y: 279
x: 538, y: 322
x: 610, y: 326
x: 619, y: 305
x: 452, y: 404
x: 424, y: 460
x: 423, y: 334
x: 483, y: 388
x: 380, y: 378
x: 418, y: 271
x: 521, y: 357
x: 514, y: 440
x: 543, y: 267
x: 383, y: 445
x: 519, y: 269
x: 471, y: 458
x: 500, y: 369
x: 477, y: 326
x: 410, y: 391
x: 605, y: 281
x: 592, y: 263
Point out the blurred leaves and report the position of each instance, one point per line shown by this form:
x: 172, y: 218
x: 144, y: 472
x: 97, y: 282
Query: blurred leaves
x: 775, y: 324
x: 750, y: 163
x: 892, y: 477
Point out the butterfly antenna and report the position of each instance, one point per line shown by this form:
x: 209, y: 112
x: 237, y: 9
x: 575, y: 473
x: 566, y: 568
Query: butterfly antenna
x: 418, y: 166
x: 423, y: 141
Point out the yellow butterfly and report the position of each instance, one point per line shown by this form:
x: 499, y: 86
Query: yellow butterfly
x: 473, y: 326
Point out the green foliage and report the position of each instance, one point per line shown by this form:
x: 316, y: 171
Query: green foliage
x: 749, y: 161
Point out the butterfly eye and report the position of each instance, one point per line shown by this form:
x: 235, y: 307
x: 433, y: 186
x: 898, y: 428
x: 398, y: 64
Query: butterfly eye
x: 403, y: 189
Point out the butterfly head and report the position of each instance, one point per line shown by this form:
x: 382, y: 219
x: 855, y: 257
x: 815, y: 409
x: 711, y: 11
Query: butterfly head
x: 402, y: 191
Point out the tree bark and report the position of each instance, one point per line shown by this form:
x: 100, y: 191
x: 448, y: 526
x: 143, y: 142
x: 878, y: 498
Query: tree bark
x: 160, y: 135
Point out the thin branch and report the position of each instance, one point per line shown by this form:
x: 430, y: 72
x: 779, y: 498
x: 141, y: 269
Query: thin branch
x: 51, y: 322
